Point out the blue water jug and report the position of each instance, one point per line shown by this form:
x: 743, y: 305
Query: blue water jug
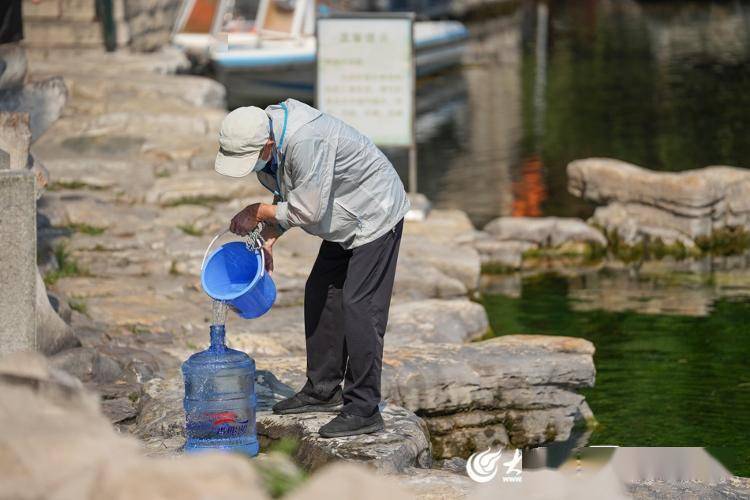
x: 220, y: 399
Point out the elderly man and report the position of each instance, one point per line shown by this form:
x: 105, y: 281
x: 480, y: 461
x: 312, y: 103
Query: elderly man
x: 334, y: 183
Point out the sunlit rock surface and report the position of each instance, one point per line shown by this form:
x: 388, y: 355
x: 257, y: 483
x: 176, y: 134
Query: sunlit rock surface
x: 57, y: 444
x: 536, y: 242
x: 673, y: 207
x: 516, y: 389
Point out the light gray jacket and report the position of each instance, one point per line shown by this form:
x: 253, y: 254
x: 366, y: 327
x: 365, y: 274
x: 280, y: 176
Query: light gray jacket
x: 334, y: 182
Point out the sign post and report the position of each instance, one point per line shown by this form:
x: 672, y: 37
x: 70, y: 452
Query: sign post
x: 366, y: 76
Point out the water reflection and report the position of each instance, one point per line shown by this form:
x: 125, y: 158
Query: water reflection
x: 663, y: 85
x: 529, y: 191
x: 469, y: 162
x: 671, y: 369
x: 668, y: 287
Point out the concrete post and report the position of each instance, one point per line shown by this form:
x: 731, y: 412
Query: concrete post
x: 18, y: 271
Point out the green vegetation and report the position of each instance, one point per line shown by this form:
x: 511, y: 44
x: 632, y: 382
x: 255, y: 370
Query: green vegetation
x: 489, y: 334
x: 725, y: 241
x: 79, y: 305
x: 190, y: 230
x: 205, y: 201
x: 138, y: 329
x: 494, y: 268
x: 72, y: 185
x: 86, y: 229
x: 279, y: 474
x: 66, y: 266
x: 173, y: 269
x: 576, y: 253
x: 580, y: 252
x: 160, y: 174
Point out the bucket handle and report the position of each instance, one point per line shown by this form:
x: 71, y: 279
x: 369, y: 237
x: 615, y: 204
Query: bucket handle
x: 250, y: 243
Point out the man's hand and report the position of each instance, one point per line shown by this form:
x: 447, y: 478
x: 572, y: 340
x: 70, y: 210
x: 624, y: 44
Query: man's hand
x: 270, y: 235
x: 245, y: 220
x: 268, y: 254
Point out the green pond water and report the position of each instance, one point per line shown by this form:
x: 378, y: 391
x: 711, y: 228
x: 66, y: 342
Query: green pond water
x: 662, y: 380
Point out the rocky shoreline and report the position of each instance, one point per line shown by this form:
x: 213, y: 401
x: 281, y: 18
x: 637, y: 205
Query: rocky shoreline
x: 692, y: 216
x: 132, y: 201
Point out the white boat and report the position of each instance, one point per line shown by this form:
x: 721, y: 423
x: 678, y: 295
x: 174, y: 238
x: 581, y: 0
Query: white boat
x: 272, y: 56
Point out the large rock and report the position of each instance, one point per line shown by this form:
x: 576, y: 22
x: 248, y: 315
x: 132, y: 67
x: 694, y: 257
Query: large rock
x: 54, y: 443
x: 436, y: 321
x: 442, y: 225
x: 516, y: 389
x: 543, y: 231
x: 13, y: 58
x: 43, y: 100
x: 282, y: 331
x: 632, y: 223
x: 347, y: 481
x: 455, y: 261
x: 150, y: 22
x: 437, y: 484
x: 416, y: 279
x: 189, y: 186
x: 505, y: 241
x: 672, y: 207
x: 404, y: 443
x: 102, y: 174
x: 692, y: 193
x: 507, y: 254
x: 734, y: 488
x: 53, y: 334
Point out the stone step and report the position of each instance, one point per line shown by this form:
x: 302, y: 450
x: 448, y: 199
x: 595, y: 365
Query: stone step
x: 71, y: 10
x: 67, y: 34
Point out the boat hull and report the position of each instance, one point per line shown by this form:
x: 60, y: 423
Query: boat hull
x: 262, y: 84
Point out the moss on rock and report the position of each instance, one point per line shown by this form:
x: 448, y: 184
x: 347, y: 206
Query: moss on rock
x: 725, y: 241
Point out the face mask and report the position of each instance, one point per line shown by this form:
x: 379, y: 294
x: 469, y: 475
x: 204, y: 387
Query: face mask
x: 259, y: 165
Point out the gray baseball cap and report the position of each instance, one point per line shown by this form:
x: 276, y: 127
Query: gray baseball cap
x: 243, y: 134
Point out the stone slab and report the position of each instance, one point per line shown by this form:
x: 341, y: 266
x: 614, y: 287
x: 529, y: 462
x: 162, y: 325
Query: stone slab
x: 404, y: 443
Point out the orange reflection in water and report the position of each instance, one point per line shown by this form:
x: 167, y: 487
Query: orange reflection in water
x: 529, y: 192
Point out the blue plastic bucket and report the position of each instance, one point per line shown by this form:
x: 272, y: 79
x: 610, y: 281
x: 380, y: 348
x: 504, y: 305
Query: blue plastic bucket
x: 237, y: 275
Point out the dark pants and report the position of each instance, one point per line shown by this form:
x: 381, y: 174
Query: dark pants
x: 347, y: 297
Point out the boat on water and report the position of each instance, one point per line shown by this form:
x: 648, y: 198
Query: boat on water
x: 263, y: 52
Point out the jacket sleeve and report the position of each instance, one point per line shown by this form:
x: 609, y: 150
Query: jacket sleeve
x: 310, y: 165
